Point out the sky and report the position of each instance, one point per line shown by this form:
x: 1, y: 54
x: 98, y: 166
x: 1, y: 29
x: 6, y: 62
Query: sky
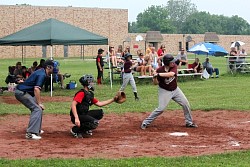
x: 219, y: 7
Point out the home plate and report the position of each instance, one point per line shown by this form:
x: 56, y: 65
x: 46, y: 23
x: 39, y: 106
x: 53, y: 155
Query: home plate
x: 179, y: 134
x: 245, y: 122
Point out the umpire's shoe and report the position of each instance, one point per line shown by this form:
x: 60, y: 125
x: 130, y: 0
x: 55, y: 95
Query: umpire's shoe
x: 32, y: 136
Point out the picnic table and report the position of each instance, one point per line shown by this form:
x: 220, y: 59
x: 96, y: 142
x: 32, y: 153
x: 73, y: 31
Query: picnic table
x: 238, y: 64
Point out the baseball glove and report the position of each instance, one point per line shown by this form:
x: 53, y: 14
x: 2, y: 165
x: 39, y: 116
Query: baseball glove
x: 120, y: 97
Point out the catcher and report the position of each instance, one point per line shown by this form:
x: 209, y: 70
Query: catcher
x: 86, y: 120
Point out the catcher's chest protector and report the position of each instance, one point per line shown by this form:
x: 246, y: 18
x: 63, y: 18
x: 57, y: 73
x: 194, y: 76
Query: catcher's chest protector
x: 83, y: 107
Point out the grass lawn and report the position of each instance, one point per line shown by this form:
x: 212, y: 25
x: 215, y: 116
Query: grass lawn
x: 229, y: 92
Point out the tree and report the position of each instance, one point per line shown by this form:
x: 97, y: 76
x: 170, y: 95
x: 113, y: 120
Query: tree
x: 155, y: 18
x: 179, y: 11
x: 132, y: 28
x: 201, y: 22
x: 238, y: 26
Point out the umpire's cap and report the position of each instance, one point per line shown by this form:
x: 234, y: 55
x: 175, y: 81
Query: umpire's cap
x: 48, y: 63
x: 168, y: 58
x: 87, y: 80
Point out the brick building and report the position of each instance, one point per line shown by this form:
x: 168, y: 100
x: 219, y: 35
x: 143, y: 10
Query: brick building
x: 111, y: 23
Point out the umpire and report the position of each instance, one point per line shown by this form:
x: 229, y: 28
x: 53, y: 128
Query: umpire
x: 86, y: 120
x: 28, y: 93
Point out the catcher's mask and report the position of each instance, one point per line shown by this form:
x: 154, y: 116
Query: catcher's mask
x: 167, y: 59
x: 87, y: 80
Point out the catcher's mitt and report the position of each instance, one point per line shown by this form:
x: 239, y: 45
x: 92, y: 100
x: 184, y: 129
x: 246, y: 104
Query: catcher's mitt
x: 120, y: 97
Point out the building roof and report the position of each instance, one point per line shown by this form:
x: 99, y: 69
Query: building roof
x: 211, y: 37
x: 154, y: 36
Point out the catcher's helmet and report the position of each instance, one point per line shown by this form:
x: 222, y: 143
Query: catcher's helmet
x: 87, y: 80
x: 167, y: 59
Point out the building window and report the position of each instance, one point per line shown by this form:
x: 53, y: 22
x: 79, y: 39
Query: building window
x: 187, y: 45
x: 180, y: 45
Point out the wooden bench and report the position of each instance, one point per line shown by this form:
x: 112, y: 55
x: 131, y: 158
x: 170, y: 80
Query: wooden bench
x: 190, y: 74
x: 144, y: 76
x: 179, y: 75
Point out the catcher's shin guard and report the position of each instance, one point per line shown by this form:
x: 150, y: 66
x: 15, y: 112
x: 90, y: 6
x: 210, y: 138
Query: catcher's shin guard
x: 90, y: 125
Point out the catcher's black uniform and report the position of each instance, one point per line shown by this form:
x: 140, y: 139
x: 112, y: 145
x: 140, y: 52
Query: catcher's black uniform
x: 89, y: 119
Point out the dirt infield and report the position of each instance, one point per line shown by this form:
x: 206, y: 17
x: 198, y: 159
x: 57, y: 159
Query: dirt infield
x: 119, y: 136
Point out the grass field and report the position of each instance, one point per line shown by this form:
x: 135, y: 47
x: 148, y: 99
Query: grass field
x: 229, y: 92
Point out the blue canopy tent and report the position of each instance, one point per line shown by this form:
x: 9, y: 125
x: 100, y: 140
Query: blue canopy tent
x: 205, y: 48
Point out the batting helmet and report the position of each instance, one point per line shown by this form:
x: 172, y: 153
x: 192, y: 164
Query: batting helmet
x: 167, y: 59
x: 127, y: 55
x: 87, y: 80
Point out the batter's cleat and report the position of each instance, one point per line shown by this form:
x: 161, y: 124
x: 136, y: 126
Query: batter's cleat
x: 143, y: 126
x: 76, y: 135
x: 32, y: 136
x: 191, y: 125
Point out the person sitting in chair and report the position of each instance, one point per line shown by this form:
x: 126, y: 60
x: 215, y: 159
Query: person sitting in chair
x: 208, y: 66
x: 18, y: 72
x: 57, y: 76
x: 196, y: 66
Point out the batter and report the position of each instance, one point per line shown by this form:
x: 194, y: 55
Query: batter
x: 166, y: 78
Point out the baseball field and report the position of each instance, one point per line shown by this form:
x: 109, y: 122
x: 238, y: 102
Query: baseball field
x: 220, y: 107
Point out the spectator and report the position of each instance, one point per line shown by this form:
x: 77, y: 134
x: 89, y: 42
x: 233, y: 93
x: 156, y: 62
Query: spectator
x: 149, y: 49
x: 154, y: 57
x: 99, y: 66
x: 18, y: 72
x: 233, y: 53
x: 148, y: 64
x: 127, y: 50
x: 196, y: 66
x: 41, y: 64
x: 33, y: 67
x: 140, y: 66
x: 112, y: 55
x: 57, y: 75
x: 25, y: 73
x: 181, y: 58
x: 161, y: 52
x: 208, y: 66
x: 242, y: 54
x: 119, y: 56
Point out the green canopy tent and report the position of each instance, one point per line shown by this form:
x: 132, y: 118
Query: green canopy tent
x: 53, y: 32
